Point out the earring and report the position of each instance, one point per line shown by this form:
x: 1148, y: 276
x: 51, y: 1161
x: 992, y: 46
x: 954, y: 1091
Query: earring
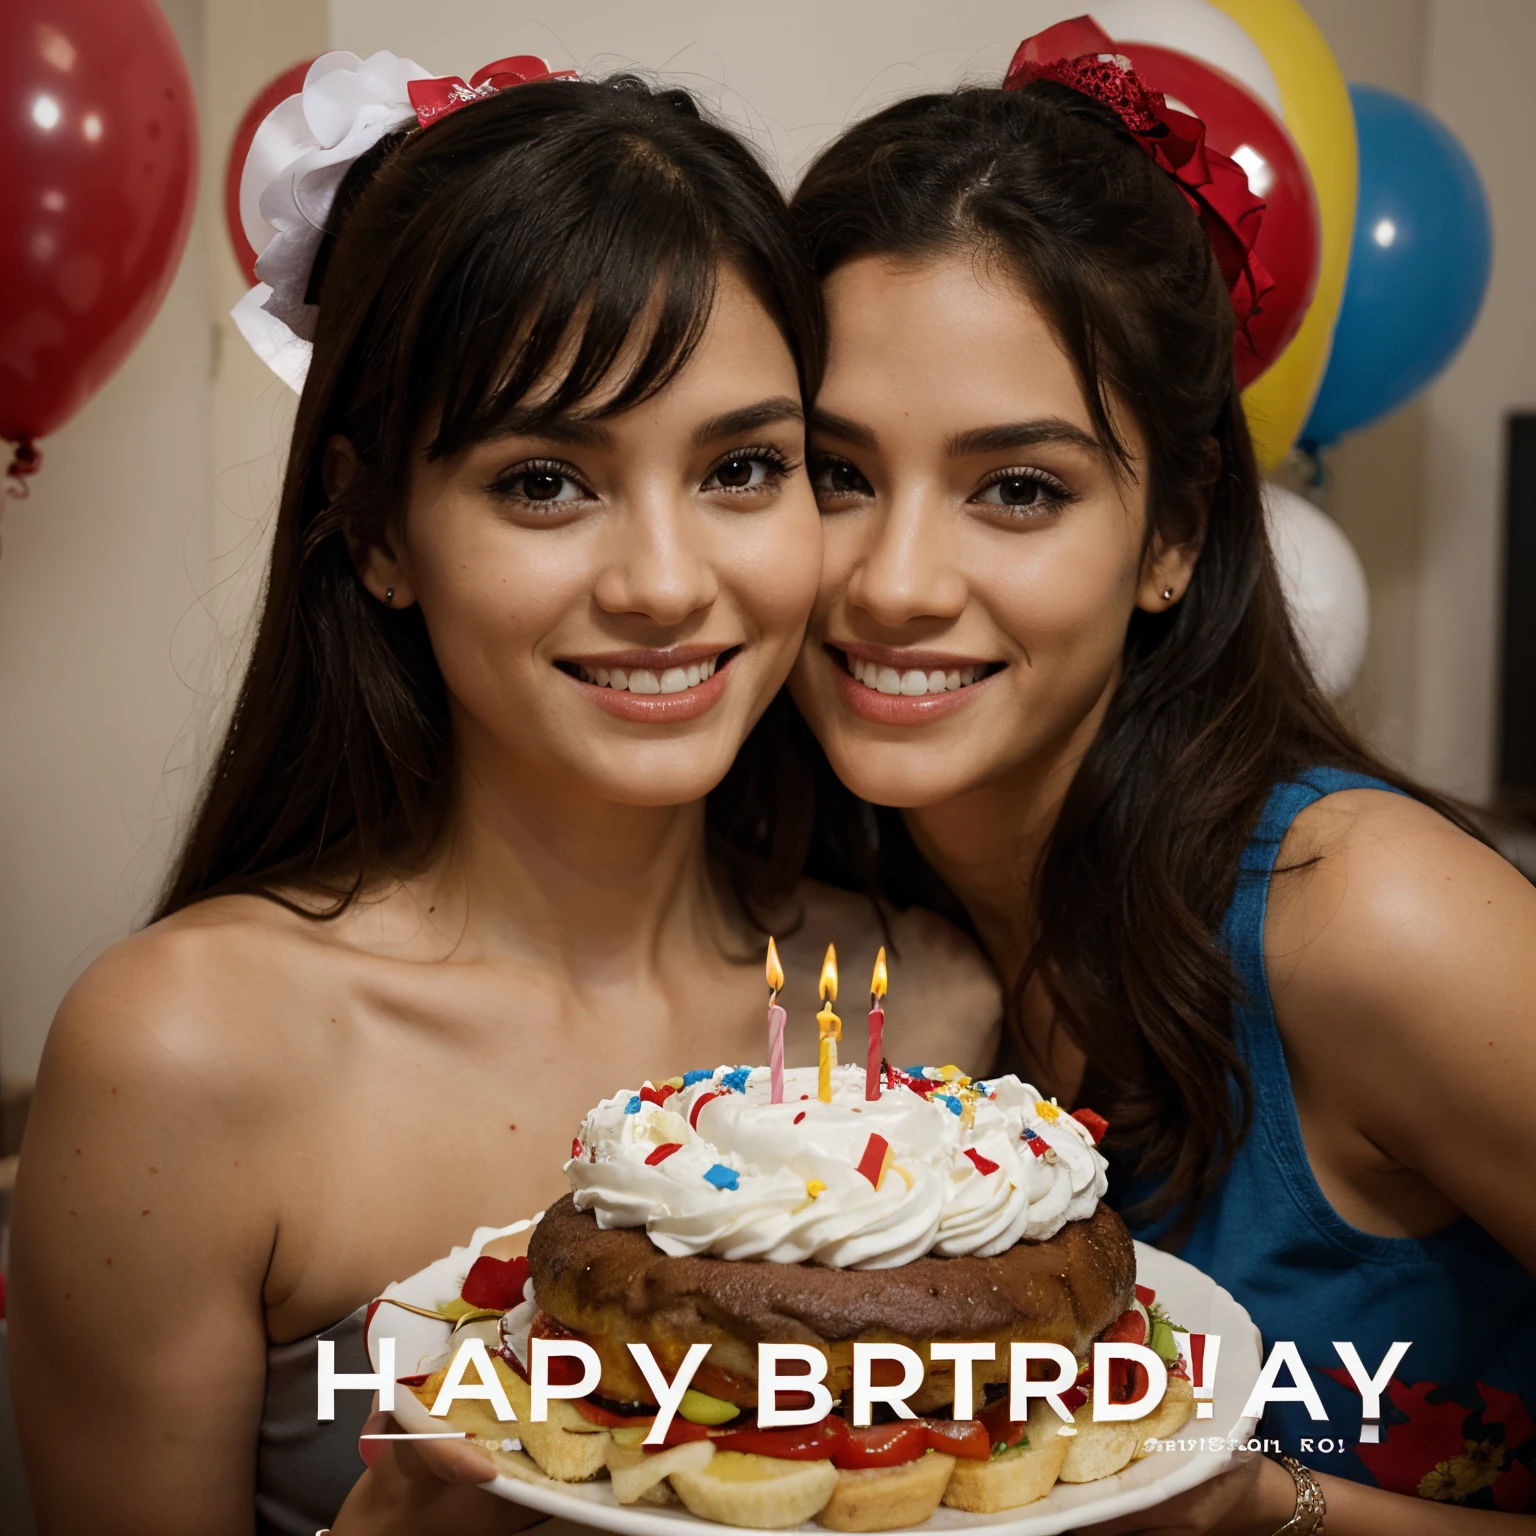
x: 389, y: 597
x: 1167, y: 594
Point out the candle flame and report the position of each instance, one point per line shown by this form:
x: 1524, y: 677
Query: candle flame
x: 829, y: 975
x: 878, y: 982
x: 773, y: 970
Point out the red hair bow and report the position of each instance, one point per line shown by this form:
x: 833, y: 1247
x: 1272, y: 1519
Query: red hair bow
x: 1077, y: 54
x: 437, y: 98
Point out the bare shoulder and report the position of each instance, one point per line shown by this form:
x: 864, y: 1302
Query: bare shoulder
x: 1366, y: 878
x: 945, y: 1003
x: 200, y: 1003
x: 1402, y: 963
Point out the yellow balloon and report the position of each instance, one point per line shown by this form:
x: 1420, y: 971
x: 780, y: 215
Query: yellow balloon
x: 1315, y: 101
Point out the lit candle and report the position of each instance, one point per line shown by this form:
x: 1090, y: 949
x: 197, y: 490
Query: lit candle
x: 775, y: 974
x: 877, y: 984
x: 829, y: 1024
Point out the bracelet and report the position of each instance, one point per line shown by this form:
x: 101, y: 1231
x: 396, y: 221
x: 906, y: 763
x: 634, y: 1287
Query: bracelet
x: 1307, y: 1518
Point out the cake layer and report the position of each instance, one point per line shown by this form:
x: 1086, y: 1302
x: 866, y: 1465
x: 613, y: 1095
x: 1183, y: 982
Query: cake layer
x: 615, y: 1287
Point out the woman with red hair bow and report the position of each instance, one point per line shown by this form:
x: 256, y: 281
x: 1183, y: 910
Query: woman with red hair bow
x: 1050, y: 650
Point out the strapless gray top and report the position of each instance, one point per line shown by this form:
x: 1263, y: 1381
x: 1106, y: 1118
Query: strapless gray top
x: 306, y: 1468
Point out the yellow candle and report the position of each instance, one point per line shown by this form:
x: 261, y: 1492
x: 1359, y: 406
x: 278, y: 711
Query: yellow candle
x: 829, y: 1024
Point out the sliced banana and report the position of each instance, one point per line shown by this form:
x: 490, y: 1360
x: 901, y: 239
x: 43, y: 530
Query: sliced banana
x: 1168, y: 1417
x: 1099, y: 1449
x: 636, y: 1472
x: 888, y: 1498
x: 766, y: 1492
x: 1020, y: 1476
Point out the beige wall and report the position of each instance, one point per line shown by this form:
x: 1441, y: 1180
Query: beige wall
x: 127, y: 579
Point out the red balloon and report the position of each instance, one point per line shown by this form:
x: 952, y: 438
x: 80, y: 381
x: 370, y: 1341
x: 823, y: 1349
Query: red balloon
x: 277, y: 89
x: 1290, y: 237
x: 98, y: 136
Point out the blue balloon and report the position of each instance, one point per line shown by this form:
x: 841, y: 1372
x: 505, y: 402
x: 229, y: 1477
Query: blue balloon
x: 1418, y: 265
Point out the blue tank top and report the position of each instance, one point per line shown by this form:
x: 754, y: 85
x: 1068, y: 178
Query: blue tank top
x: 1456, y: 1419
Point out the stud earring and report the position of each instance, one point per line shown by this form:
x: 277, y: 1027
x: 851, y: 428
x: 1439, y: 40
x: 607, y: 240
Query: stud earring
x: 1167, y: 594
x: 389, y: 597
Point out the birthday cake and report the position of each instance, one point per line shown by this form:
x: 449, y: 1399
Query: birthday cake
x: 824, y: 1208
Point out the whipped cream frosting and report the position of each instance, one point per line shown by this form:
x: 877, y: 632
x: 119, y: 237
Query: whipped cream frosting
x: 972, y: 1168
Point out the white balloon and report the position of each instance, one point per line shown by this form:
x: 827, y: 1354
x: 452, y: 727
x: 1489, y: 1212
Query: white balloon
x: 1198, y: 29
x: 1324, y: 585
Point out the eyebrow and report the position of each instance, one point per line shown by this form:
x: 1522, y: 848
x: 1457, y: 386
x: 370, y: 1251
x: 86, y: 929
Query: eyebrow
x: 1021, y: 434
x: 749, y: 418
x: 996, y: 439
x: 844, y: 430
x: 587, y: 432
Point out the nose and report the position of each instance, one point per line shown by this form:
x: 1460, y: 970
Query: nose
x: 905, y: 571
x: 658, y: 564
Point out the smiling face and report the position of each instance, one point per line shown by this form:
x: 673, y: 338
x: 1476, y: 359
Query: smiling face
x: 983, y: 551
x: 615, y: 601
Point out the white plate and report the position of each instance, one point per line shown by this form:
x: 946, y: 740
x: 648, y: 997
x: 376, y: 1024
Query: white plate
x: 1190, y: 1297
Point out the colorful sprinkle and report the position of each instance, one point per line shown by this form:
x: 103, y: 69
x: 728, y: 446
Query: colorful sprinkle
x: 633, y: 1107
x: 950, y: 1102
x: 1047, y: 1112
x: 735, y: 1081
x: 575, y: 1146
x: 799, y: 1117
x: 814, y: 1187
x: 702, y: 1074
x: 721, y: 1176
x: 876, y: 1159
x: 650, y: 1095
x: 983, y: 1164
x: 1035, y: 1142
x: 674, y: 1082
x: 662, y: 1153
x: 698, y: 1104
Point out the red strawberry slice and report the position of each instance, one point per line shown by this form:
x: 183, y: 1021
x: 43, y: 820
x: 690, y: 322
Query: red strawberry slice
x: 1145, y: 1295
x: 495, y: 1283
x: 1129, y: 1328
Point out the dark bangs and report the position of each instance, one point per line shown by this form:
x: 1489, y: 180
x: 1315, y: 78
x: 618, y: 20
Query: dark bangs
x: 488, y: 273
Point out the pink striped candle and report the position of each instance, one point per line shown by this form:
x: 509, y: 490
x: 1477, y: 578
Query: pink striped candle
x: 776, y: 1053
x: 774, y: 974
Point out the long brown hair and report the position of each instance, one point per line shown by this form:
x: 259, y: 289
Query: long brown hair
x: 461, y: 259
x: 1216, y: 704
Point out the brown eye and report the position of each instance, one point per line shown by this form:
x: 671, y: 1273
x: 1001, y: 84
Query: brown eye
x: 1019, y: 492
x: 540, y: 485
x: 1024, y: 496
x: 736, y: 473
x: 836, y: 477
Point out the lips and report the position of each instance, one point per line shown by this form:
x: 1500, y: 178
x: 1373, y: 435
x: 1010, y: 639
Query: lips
x: 655, y: 687
x: 895, y: 687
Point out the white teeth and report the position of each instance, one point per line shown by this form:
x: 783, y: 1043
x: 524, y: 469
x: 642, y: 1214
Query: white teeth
x: 913, y: 683
x: 642, y: 680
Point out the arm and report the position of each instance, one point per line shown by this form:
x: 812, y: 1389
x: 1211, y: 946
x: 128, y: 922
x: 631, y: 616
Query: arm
x: 143, y: 1223
x: 1402, y: 964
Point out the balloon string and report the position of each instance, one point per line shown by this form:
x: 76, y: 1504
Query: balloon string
x: 26, y: 461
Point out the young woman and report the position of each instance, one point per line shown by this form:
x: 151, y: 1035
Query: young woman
x: 465, y: 864
x: 1050, y: 642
